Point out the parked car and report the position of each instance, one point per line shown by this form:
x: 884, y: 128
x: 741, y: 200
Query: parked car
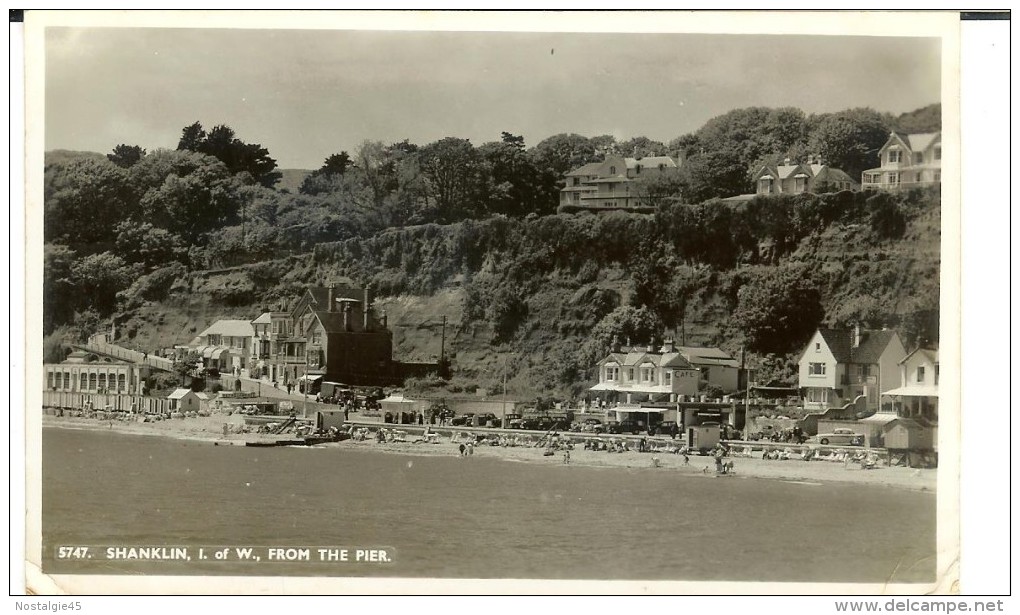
x: 625, y: 426
x: 591, y: 425
x: 666, y: 428
x: 841, y: 436
x: 483, y: 420
x: 464, y: 419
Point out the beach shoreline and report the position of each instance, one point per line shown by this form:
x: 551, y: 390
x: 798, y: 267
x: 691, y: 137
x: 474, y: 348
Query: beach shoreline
x: 210, y: 430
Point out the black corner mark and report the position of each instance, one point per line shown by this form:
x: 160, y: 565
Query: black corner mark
x: 984, y: 16
x: 16, y: 15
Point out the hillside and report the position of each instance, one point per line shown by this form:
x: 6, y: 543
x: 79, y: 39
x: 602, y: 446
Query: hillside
x: 567, y: 274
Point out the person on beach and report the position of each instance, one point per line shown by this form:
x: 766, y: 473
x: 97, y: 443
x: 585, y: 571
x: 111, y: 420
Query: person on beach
x: 566, y: 457
x: 462, y: 449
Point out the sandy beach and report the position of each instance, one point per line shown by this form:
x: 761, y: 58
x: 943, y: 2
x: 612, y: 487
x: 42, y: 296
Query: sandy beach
x: 210, y: 429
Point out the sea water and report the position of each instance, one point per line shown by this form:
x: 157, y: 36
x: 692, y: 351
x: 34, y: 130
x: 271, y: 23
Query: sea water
x: 467, y: 517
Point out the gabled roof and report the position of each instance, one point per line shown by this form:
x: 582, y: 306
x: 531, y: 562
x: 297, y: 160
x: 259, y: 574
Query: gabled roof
x: 265, y: 319
x: 235, y: 328
x: 870, y: 349
x: 834, y: 174
x: 707, y: 356
x: 786, y: 170
x: 588, y: 169
x: 178, y: 393
x: 650, y: 162
x: 873, y: 344
x: 920, y: 141
x: 635, y: 356
x: 839, y: 342
x: 929, y: 353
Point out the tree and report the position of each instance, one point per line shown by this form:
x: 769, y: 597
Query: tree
x: 87, y: 198
x: 452, y: 169
x: 713, y: 174
x: 850, y: 140
x: 925, y: 119
x: 59, y: 295
x: 641, y: 147
x: 184, y: 365
x: 336, y: 164
x: 126, y: 156
x: 152, y: 247
x: 238, y: 156
x: 513, y: 180
x: 98, y: 278
x: 778, y: 310
x: 626, y: 323
x: 204, y: 198
x: 564, y: 152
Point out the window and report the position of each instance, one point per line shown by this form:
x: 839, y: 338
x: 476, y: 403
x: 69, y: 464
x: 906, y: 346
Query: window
x: 612, y: 373
x: 647, y: 374
x: 612, y: 170
x: 864, y: 370
x: 920, y: 373
x: 917, y: 177
x: 818, y: 396
x: 67, y: 380
x: 765, y: 186
x: 49, y: 381
x: 816, y: 369
x: 577, y: 181
x: 667, y: 377
x: 818, y: 346
x: 894, y: 179
x: 637, y: 170
x: 83, y: 383
x: 630, y: 374
x: 121, y: 383
x: 938, y: 152
x: 799, y: 183
x: 918, y: 157
x: 895, y: 156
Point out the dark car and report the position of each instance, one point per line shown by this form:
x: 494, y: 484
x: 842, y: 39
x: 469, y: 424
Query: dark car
x: 592, y: 426
x: 464, y: 419
x: 626, y: 426
x: 666, y: 428
x: 485, y: 419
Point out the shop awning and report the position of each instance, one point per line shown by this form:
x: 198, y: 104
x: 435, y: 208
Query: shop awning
x: 880, y: 418
x: 219, y: 351
x: 914, y: 391
x: 642, y: 410
x: 632, y: 388
x: 311, y: 378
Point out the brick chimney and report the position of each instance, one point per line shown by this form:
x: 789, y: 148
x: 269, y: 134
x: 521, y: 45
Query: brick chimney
x: 347, y: 315
x: 667, y: 345
x: 786, y: 161
x: 332, y: 297
x: 857, y: 335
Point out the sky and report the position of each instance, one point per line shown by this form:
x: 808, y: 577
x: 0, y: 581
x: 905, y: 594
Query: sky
x: 307, y: 94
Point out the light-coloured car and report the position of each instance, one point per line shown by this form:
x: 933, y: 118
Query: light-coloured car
x: 841, y: 436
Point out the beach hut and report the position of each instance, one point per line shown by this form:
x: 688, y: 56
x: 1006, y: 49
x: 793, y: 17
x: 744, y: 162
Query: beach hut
x: 184, y: 400
x: 906, y: 435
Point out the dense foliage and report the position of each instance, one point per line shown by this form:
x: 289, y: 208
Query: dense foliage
x: 135, y: 228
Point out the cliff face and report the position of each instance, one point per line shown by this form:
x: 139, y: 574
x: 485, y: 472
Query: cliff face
x: 524, y: 295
